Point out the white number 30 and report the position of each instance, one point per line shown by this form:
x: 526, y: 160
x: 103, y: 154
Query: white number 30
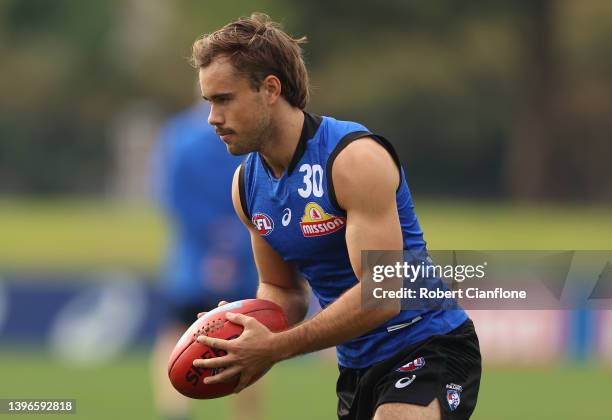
x: 313, y: 180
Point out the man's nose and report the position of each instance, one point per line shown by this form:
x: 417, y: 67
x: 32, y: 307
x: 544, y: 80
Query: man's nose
x: 215, y: 117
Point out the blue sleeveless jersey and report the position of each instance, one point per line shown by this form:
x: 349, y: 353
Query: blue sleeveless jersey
x: 298, y: 215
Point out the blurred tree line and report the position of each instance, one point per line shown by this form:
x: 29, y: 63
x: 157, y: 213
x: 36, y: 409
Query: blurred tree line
x: 502, y: 98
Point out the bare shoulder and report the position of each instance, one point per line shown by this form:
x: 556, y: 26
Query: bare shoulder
x: 236, y: 200
x: 364, y: 170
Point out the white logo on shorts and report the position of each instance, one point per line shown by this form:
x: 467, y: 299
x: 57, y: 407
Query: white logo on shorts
x: 404, y: 382
x: 286, y: 216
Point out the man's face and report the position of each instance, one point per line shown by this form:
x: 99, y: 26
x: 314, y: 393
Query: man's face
x: 238, y: 112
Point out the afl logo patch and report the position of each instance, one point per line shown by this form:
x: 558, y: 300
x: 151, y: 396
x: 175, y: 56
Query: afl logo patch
x: 316, y: 222
x: 416, y: 364
x: 263, y: 223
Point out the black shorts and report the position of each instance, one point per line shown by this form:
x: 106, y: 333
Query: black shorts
x: 446, y: 367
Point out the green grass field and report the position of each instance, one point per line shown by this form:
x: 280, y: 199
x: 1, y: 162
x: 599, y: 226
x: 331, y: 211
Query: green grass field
x: 75, y: 234
x: 70, y: 235
x: 297, y: 390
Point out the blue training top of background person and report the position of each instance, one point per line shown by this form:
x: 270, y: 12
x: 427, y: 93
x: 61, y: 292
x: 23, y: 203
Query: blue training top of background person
x: 298, y: 215
x: 210, y: 255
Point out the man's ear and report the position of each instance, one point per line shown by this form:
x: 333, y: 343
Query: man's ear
x: 271, y: 87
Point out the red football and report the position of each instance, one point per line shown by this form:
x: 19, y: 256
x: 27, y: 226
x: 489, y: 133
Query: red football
x: 189, y: 380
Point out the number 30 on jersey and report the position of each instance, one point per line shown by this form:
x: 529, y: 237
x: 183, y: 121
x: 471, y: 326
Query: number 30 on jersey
x: 313, y: 181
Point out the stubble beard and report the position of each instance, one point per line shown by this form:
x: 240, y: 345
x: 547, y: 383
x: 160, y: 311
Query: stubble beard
x: 254, y: 143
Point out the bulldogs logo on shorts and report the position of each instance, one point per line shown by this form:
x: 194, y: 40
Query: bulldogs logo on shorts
x: 453, y: 395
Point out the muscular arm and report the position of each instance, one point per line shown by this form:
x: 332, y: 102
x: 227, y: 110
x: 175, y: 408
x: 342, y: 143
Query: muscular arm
x: 279, y: 282
x: 368, y: 196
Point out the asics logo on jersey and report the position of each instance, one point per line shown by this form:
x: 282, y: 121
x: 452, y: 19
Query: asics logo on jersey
x: 316, y: 222
x: 263, y: 223
x: 286, y: 216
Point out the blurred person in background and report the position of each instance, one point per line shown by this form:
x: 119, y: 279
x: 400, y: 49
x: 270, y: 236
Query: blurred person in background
x: 209, y: 257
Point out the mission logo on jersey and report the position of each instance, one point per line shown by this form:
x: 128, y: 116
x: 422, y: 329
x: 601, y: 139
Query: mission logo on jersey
x: 316, y: 222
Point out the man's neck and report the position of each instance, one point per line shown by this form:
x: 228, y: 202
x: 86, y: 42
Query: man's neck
x: 284, y: 138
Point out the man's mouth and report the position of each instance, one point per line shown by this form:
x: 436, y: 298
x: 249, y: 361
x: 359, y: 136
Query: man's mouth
x: 222, y: 133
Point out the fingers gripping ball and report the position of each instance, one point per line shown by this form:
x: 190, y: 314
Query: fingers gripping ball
x: 189, y: 380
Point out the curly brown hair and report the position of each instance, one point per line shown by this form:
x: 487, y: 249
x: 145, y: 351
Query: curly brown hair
x: 257, y: 47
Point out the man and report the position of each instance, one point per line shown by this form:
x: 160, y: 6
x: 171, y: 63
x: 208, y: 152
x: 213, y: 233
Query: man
x: 314, y: 192
x: 209, y: 257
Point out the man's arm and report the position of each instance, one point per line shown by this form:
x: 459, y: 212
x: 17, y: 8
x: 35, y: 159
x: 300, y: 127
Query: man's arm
x: 279, y: 282
x: 368, y: 196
